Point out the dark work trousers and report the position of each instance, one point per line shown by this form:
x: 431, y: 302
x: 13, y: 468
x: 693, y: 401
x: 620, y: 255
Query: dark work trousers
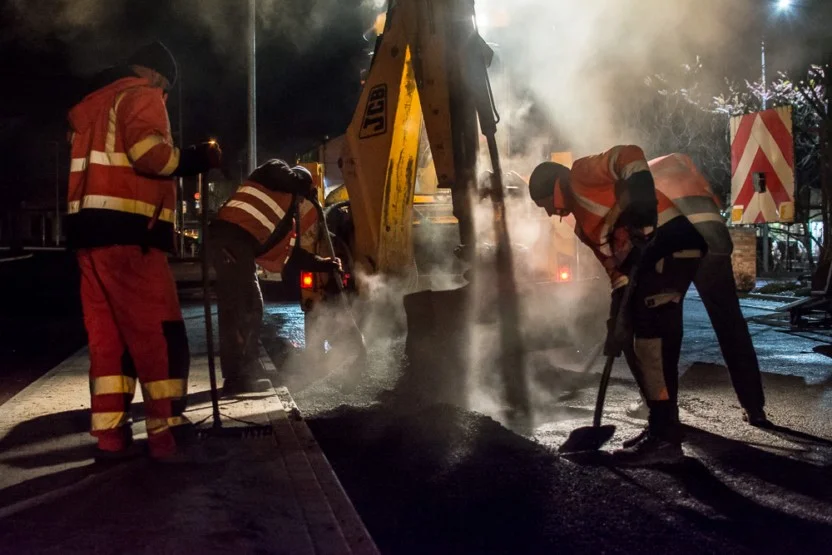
x: 239, y: 300
x: 715, y: 283
x: 656, y: 320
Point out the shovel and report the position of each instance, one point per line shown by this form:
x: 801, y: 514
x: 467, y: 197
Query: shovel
x: 350, y: 341
x: 592, y: 438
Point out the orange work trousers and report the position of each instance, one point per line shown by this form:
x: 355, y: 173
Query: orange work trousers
x: 136, y: 331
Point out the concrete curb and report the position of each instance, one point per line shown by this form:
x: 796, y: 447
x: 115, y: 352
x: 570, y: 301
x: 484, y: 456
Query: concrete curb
x: 774, y: 298
x: 335, y: 523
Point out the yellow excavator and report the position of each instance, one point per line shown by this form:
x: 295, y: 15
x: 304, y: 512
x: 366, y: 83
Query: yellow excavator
x: 424, y: 112
x: 430, y: 65
x: 409, y: 157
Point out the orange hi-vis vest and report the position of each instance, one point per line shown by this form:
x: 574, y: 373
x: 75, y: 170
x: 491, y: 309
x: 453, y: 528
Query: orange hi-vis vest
x: 677, y: 177
x: 262, y: 213
x: 120, y: 189
x: 596, y: 210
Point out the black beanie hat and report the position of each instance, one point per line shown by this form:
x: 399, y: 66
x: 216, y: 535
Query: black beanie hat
x: 543, y: 179
x: 156, y: 57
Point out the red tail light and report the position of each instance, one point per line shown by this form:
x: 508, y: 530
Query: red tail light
x: 307, y: 280
x: 564, y: 274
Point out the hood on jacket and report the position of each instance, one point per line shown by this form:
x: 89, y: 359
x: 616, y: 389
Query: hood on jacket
x: 98, y: 90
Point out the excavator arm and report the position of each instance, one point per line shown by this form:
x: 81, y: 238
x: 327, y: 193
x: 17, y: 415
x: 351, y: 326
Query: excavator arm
x: 429, y: 64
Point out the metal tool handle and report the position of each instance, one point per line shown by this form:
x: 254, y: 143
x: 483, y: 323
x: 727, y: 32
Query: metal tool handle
x: 206, y: 296
x: 322, y: 219
x: 616, y: 331
x: 602, y: 390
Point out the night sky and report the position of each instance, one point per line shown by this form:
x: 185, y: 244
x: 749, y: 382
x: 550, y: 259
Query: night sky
x: 308, y: 73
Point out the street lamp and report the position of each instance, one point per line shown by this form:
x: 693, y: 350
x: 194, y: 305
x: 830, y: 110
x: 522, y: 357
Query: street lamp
x: 252, y: 85
x: 784, y: 5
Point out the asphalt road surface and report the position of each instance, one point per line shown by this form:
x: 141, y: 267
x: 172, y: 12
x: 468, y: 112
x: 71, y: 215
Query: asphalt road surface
x: 422, y: 446
x: 419, y: 438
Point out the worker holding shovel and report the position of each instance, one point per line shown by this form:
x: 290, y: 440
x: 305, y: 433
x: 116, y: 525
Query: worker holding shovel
x: 267, y: 221
x: 638, y: 235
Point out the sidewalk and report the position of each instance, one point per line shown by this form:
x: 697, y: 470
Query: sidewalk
x: 273, y: 492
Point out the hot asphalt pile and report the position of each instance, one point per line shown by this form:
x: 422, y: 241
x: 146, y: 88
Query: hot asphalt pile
x: 431, y: 472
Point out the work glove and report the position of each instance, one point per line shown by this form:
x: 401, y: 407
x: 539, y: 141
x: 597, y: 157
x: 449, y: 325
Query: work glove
x: 197, y: 159
x: 336, y: 265
x: 613, y: 344
x: 328, y: 265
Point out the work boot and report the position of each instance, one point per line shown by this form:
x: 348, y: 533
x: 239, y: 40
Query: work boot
x: 232, y: 387
x: 637, y: 410
x: 755, y: 417
x: 106, y: 457
x: 116, y: 446
x: 634, y: 440
x: 651, y: 449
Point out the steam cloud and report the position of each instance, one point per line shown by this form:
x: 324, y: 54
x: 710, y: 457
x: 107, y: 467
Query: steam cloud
x: 582, y: 60
x: 583, y: 65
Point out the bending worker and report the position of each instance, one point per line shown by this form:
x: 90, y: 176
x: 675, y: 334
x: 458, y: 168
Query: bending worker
x: 617, y: 208
x: 258, y: 225
x: 120, y: 221
x: 676, y: 176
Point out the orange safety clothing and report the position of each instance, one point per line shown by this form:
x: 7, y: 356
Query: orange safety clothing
x: 677, y: 177
x: 599, y: 186
x: 275, y: 259
x: 120, y: 189
x: 136, y: 331
x: 262, y: 212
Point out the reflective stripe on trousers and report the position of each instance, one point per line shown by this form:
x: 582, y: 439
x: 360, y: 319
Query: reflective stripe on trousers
x: 136, y: 333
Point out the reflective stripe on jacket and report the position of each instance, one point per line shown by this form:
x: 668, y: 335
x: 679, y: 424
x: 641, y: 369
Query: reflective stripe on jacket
x: 120, y: 192
x: 596, y: 211
x: 276, y: 258
x: 677, y: 177
x: 260, y: 211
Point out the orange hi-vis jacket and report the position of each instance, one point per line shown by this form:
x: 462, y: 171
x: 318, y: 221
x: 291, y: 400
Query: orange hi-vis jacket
x: 594, y: 180
x: 269, y: 216
x: 120, y: 189
x: 677, y: 177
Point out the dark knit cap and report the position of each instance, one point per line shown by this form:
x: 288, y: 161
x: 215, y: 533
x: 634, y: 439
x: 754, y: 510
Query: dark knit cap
x: 543, y: 179
x: 156, y: 57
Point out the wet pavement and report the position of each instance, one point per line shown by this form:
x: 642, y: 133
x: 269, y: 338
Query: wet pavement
x: 425, y: 454
x: 258, y: 484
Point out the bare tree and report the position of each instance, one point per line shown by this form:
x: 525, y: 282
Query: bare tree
x: 682, y: 116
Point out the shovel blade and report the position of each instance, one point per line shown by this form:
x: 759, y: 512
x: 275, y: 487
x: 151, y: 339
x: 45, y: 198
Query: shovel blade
x: 347, y: 356
x: 588, y: 438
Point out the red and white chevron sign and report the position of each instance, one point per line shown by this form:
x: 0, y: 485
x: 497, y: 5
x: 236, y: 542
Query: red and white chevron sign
x: 762, y: 167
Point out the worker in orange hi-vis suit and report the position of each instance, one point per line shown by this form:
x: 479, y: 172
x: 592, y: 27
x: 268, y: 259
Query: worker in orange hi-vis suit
x: 616, y: 209
x: 677, y: 177
x: 259, y: 225
x: 120, y: 222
